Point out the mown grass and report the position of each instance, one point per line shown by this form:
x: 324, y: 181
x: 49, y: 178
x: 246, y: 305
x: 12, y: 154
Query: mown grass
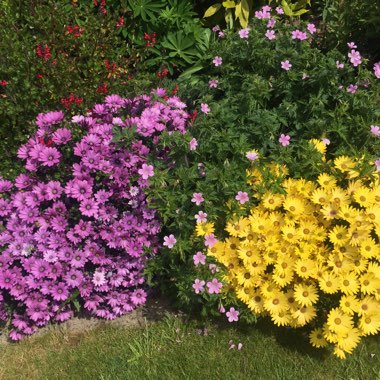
x: 172, y: 349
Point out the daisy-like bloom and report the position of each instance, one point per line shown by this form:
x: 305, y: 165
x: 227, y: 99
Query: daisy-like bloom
x: 317, y: 339
x: 169, y: 241
x: 305, y: 295
x: 270, y: 34
x: 205, y: 108
x: 352, y: 88
x: 89, y: 207
x: 339, y: 65
x: 311, y: 28
x: 146, y: 171
x: 375, y: 130
x: 232, y: 315
x: 355, y: 58
x: 210, y: 240
x: 339, y: 322
x: 49, y: 156
x: 284, y: 140
x: 198, y: 286
x: 161, y: 92
x: 242, y: 197
x: 99, y: 278
x: 193, y: 144
x: 197, y: 198
x: 138, y: 297
x: 349, y: 283
x: 217, y: 61
x: 304, y: 314
x: 244, y: 33
x: 286, y: 65
x: 276, y: 302
x: 370, y: 323
x: 201, y: 217
x: 214, y: 286
x: 199, y: 258
x: 61, y: 136
x: 213, y: 83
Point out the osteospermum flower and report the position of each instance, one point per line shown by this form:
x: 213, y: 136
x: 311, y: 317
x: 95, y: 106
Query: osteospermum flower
x: 49, y: 156
x: 99, y: 278
x: 252, y: 155
x: 375, y: 130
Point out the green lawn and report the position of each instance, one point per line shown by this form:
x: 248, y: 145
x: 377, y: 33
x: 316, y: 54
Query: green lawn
x: 172, y: 349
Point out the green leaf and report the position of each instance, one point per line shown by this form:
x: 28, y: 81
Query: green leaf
x: 229, y: 4
x: 212, y: 10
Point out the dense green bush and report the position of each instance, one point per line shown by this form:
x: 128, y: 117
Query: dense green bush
x: 343, y: 21
x: 255, y: 102
x: 85, y: 51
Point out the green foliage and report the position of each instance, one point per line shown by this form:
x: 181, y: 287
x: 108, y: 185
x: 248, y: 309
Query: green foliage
x: 78, y: 65
x: 255, y: 102
x: 343, y: 21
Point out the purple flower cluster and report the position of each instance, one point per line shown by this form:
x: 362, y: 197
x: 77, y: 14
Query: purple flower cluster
x: 75, y: 229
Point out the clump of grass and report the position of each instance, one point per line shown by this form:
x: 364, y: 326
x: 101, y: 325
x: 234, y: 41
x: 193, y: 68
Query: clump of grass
x: 174, y: 349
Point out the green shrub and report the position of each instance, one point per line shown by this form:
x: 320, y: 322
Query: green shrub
x: 255, y: 102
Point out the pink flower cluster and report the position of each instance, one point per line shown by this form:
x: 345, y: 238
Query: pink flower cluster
x: 77, y: 225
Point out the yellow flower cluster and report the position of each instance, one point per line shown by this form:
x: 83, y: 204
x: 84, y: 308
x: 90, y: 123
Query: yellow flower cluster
x: 317, y: 240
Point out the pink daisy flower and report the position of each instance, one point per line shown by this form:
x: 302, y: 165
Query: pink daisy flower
x: 99, y: 278
x: 193, y: 144
x: 375, y: 130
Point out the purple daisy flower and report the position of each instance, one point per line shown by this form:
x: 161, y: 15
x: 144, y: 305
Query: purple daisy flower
x: 49, y: 156
x: 61, y: 136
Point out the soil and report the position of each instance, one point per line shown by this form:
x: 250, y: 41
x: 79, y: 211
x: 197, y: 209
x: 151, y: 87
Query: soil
x: 154, y: 310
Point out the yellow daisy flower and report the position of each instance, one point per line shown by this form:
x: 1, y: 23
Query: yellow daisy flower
x: 329, y: 283
x: 350, y: 341
x: 272, y: 201
x: 326, y: 181
x: 349, y: 304
x: 320, y: 196
x: 256, y: 303
x: 368, y: 305
x: 369, y: 324
x: 305, y: 295
x: 281, y: 319
x: 369, y: 283
x: 317, y: 339
x: 344, y: 163
x: 349, y: 283
x: 294, y: 205
x: 319, y: 145
x: 304, y: 314
x: 339, y: 235
x: 369, y: 248
x: 203, y: 229
x: 339, y: 322
x: 276, y: 303
x: 364, y: 196
x: 305, y: 268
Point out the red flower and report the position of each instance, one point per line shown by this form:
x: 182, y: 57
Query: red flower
x: 175, y: 89
x: 3, y: 83
x: 40, y: 76
x: 120, y: 23
x: 43, y: 52
x: 102, y: 88
x: 193, y: 115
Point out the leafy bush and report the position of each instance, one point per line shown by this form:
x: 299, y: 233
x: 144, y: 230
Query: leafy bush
x: 355, y: 20
x: 68, y: 62
x: 76, y: 230
x: 264, y: 92
x: 308, y: 252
